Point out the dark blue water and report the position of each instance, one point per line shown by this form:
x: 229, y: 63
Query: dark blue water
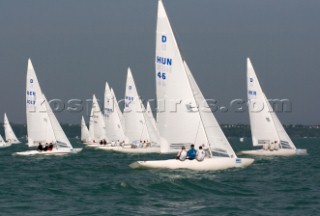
x: 96, y: 182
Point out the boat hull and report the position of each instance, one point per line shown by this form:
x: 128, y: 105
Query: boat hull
x: 136, y: 150
x: 5, y: 145
x: 280, y: 152
x: 128, y: 149
x: 59, y: 151
x: 205, y: 165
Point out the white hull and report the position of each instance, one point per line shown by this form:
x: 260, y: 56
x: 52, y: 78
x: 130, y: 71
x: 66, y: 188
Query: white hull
x: 280, y: 152
x: 106, y: 147
x: 205, y: 165
x: 136, y: 150
x: 59, y: 151
x: 93, y: 145
x: 128, y: 149
x: 5, y: 145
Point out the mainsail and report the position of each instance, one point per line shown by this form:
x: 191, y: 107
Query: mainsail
x: 177, y: 120
x: 38, y: 123
x: 84, y: 131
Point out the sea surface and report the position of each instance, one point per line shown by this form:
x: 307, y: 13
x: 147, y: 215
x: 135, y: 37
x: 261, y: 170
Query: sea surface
x: 96, y: 182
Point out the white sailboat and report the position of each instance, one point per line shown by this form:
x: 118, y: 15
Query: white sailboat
x: 206, y: 130
x: 266, y: 129
x: 137, y: 125
x: 113, y: 118
x: 84, y: 131
x: 98, y: 125
x: 3, y: 144
x: 9, y: 133
x: 42, y: 125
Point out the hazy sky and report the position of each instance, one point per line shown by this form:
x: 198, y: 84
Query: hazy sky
x: 77, y: 45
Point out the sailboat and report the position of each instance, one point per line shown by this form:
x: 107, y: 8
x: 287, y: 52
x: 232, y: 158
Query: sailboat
x: 193, y: 122
x: 97, y: 126
x: 137, y: 124
x: 3, y: 144
x: 9, y: 133
x: 42, y: 125
x: 266, y: 129
x: 114, y: 118
x: 84, y: 131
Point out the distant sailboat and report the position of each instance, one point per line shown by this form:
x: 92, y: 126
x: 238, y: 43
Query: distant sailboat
x: 84, y: 131
x: 195, y: 121
x: 3, y: 144
x: 266, y: 129
x: 113, y: 118
x: 42, y: 125
x: 137, y: 124
x: 9, y: 133
x: 98, y: 125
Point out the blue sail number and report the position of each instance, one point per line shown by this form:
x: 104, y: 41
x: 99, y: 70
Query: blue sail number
x: 161, y: 75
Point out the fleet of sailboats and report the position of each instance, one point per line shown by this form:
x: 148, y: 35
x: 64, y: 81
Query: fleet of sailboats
x: 186, y: 118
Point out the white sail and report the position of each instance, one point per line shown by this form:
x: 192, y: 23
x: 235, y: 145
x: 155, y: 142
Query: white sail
x: 265, y: 125
x: 2, y: 142
x: 9, y: 133
x: 135, y: 125
x: 178, y: 122
x: 114, y: 126
x: 117, y: 108
x: 99, y: 125
x: 216, y: 140
x: 38, y: 124
x: 151, y: 117
x: 91, y: 126
x: 84, y: 131
x: 60, y: 136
